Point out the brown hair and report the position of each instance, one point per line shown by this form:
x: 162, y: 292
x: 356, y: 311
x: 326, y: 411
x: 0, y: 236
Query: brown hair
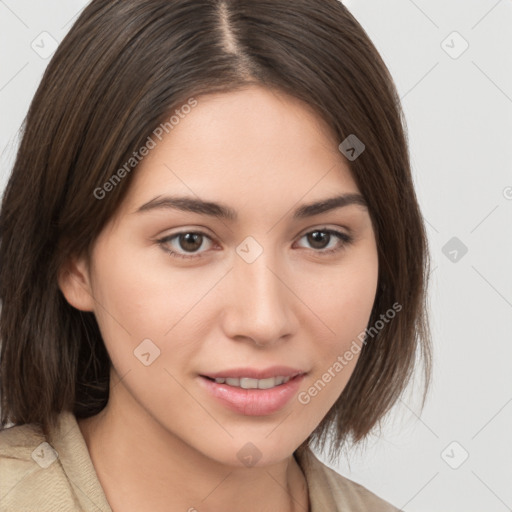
x: 118, y: 73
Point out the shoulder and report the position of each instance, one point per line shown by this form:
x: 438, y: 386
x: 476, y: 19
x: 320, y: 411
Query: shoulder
x: 331, y: 488
x: 18, y: 446
x: 32, y: 476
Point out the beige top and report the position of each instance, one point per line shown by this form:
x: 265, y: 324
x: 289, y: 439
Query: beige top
x: 56, y: 474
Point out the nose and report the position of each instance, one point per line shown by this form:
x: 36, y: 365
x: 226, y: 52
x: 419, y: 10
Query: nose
x: 258, y: 304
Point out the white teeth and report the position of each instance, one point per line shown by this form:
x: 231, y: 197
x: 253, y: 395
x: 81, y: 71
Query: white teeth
x: 247, y: 383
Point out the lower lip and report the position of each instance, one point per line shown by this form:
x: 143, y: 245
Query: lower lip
x: 253, y: 402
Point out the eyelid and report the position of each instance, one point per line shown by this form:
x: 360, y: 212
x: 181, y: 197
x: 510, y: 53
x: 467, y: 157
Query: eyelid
x: 344, y: 239
x: 326, y: 227
x: 162, y: 241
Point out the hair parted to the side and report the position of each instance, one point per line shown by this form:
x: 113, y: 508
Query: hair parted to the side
x: 121, y: 69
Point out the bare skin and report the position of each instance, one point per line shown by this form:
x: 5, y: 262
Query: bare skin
x: 163, y: 442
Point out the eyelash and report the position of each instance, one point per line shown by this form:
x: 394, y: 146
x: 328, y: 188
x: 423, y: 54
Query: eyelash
x: 343, y: 237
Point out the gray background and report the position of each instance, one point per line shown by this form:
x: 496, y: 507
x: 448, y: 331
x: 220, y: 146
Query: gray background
x: 458, y: 107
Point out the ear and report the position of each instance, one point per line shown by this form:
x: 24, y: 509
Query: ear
x: 74, y: 283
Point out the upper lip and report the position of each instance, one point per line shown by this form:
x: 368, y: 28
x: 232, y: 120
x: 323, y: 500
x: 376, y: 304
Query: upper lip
x: 255, y: 373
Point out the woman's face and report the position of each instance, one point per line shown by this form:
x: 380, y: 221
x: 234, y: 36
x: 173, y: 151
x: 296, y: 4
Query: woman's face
x: 269, y: 285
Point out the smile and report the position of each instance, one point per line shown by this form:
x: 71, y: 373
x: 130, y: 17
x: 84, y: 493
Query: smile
x: 248, y: 383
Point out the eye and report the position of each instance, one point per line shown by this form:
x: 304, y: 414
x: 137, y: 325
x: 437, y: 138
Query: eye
x: 187, y: 242
x: 320, y: 240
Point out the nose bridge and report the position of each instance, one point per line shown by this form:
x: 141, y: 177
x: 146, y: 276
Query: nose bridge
x: 259, y: 307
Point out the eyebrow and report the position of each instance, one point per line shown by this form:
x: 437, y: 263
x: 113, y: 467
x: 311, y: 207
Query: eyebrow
x: 220, y: 211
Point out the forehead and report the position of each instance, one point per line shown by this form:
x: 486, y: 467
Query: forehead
x: 253, y: 145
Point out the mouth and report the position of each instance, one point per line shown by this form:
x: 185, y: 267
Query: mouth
x: 250, y: 396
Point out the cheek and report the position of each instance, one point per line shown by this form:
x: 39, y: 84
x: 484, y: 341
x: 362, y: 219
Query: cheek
x: 130, y: 302
x: 140, y: 296
x: 345, y: 299
x: 354, y: 301
x: 135, y: 288
x: 345, y: 307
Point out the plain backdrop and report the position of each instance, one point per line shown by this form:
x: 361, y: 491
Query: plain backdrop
x: 452, y: 63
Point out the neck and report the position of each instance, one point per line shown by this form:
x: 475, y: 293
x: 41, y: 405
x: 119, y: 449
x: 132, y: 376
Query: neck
x: 143, y: 466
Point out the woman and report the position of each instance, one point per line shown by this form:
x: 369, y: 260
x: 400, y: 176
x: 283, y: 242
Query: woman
x: 212, y: 257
